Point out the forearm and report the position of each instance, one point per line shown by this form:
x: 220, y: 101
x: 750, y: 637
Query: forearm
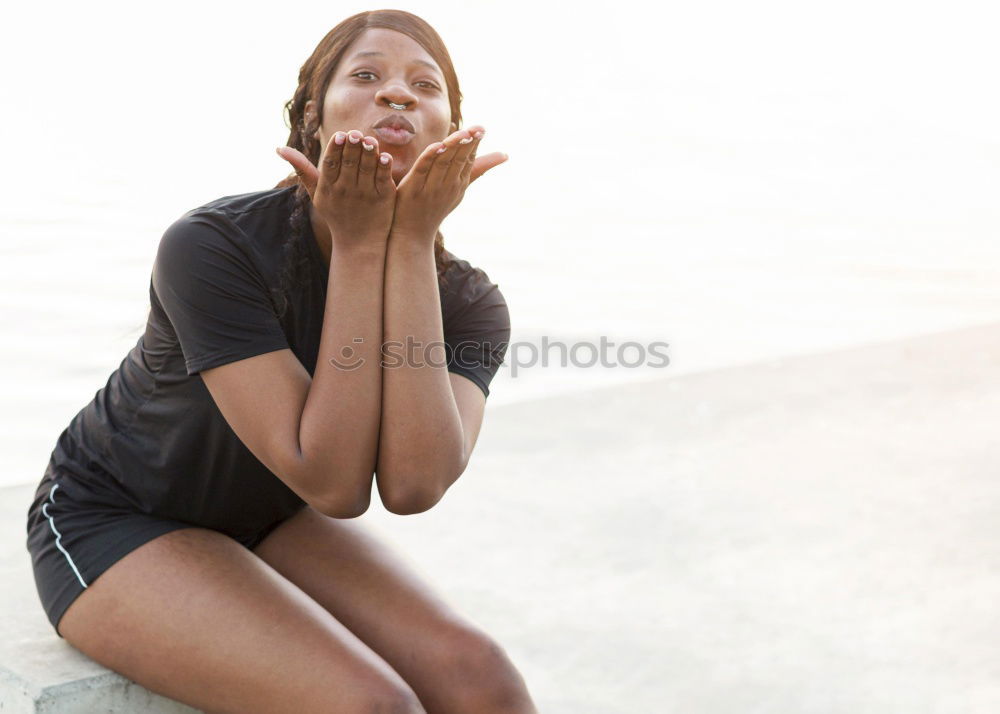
x: 420, y: 440
x: 340, y: 419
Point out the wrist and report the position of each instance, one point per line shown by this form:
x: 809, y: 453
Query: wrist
x: 415, y: 237
x: 360, y: 247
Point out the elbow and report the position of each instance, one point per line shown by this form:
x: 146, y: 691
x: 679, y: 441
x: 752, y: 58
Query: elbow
x: 334, y: 480
x: 342, y: 510
x: 348, y: 501
x: 408, y: 503
x: 414, y: 492
x: 413, y: 487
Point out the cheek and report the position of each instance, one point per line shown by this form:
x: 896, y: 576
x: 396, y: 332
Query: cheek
x: 440, y: 129
x: 338, y: 108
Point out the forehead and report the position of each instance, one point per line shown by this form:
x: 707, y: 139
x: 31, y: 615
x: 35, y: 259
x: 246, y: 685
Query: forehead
x: 379, y: 43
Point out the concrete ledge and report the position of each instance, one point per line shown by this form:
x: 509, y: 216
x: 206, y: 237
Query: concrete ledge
x: 108, y: 692
x: 40, y: 673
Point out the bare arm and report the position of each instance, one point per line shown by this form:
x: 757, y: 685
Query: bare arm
x: 338, y: 431
x: 430, y: 418
x: 422, y: 448
x: 320, y: 433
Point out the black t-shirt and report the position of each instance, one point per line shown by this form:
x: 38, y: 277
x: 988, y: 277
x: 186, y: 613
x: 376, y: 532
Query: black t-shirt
x: 153, y: 440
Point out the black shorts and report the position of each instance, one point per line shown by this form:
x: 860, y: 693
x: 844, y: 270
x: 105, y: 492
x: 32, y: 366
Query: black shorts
x: 72, y: 541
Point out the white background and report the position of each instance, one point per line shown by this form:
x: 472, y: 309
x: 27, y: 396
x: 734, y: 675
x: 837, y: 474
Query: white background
x: 743, y: 181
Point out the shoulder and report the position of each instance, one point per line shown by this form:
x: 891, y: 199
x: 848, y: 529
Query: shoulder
x: 470, y: 298
x: 465, y: 283
x: 231, y: 220
x: 242, y: 204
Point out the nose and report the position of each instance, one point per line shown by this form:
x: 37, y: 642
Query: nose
x: 396, y: 92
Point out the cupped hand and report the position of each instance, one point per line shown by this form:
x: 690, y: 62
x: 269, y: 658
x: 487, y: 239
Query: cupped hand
x: 352, y: 190
x: 436, y: 183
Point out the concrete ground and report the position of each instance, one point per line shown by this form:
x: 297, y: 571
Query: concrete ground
x: 816, y: 534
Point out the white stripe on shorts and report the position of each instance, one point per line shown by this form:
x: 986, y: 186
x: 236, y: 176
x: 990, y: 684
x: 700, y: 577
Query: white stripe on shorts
x: 52, y: 524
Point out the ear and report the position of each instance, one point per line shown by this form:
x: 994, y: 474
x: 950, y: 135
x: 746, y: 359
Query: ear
x: 309, y: 113
x: 454, y: 128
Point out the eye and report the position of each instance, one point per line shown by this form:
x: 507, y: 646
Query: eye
x: 430, y: 85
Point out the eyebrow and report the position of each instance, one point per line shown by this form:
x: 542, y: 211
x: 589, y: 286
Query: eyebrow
x: 425, y: 63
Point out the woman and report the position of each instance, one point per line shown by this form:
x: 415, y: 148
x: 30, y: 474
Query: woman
x: 189, y: 531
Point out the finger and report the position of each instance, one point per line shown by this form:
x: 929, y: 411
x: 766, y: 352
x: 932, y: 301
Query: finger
x: 307, y: 173
x: 383, y: 174
x: 332, y: 158
x: 466, y: 157
x: 369, y: 162
x: 352, y: 157
x: 483, y: 164
x: 444, y: 159
x: 463, y: 150
x: 417, y: 175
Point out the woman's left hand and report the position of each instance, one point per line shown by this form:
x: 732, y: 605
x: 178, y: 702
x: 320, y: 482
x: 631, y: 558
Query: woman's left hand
x: 436, y: 183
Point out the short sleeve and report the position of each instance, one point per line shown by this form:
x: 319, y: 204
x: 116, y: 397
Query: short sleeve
x: 215, y: 298
x: 476, y: 338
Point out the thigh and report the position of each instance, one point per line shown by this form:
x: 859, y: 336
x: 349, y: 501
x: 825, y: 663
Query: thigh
x: 197, y: 617
x: 444, y: 657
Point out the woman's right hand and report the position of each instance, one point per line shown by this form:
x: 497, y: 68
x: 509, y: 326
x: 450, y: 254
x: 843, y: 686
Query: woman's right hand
x: 352, y: 190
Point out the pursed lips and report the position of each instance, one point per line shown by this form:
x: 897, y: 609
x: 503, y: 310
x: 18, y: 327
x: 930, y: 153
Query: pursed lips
x: 394, y: 129
x: 395, y: 121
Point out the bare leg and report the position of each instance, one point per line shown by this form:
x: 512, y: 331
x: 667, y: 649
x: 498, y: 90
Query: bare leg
x: 195, y: 616
x: 451, y: 664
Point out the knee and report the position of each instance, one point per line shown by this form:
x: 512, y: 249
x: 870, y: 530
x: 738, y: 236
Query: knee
x: 483, y: 677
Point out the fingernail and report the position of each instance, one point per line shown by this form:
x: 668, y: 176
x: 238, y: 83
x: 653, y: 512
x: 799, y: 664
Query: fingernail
x: 353, y: 139
x: 384, y: 158
x: 478, y: 134
x: 338, y: 138
x: 368, y: 147
x: 466, y: 140
x: 442, y: 149
x: 279, y: 151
